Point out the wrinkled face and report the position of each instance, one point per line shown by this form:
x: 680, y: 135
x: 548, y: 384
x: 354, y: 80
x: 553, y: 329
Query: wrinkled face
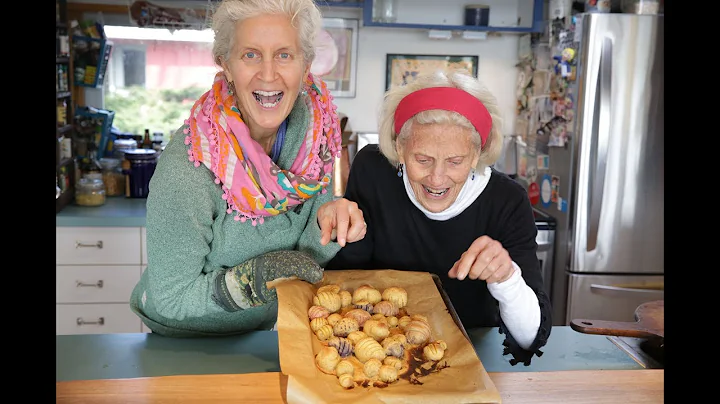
x: 438, y: 159
x: 266, y: 67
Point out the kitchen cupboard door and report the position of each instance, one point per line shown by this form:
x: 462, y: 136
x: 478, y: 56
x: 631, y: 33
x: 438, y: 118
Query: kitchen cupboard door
x: 95, y: 284
x: 111, y: 318
x: 97, y: 245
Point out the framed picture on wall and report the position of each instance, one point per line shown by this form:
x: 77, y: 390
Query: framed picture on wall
x: 403, y: 69
x: 336, y: 56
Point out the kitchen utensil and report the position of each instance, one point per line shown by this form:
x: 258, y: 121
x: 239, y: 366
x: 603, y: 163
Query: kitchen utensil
x: 650, y: 323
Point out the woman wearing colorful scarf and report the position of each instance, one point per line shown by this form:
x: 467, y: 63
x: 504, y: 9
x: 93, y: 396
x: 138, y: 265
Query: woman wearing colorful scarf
x: 240, y: 193
x: 433, y: 203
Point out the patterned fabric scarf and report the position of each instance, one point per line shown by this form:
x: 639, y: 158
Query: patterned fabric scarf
x: 253, y: 185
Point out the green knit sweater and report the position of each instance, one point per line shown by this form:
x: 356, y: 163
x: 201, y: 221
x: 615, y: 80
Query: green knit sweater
x: 190, y: 237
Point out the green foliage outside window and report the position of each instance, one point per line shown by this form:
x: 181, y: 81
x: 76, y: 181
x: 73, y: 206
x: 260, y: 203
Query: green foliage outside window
x: 137, y: 108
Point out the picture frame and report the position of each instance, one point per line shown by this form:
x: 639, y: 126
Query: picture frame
x: 403, y: 68
x: 336, y: 56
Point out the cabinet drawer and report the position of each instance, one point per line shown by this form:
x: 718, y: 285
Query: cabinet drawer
x: 95, y: 284
x: 95, y: 319
x: 97, y: 245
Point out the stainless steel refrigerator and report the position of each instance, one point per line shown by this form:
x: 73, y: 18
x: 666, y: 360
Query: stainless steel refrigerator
x: 609, y: 205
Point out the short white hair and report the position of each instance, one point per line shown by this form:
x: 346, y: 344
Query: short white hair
x: 458, y: 78
x: 304, y: 16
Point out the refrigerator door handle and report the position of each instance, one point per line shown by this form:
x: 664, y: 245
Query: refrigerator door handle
x: 657, y: 293
x: 599, y: 143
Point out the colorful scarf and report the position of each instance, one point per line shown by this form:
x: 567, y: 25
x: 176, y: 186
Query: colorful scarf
x: 253, y: 185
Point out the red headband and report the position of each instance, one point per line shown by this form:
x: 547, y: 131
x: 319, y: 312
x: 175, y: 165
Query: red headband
x: 448, y: 99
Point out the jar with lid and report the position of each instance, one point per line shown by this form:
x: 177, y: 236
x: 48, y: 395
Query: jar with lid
x: 90, y: 192
x: 112, y: 176
x: 121, y: 145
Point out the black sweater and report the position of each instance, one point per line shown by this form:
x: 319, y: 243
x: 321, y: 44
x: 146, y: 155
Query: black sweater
x: 399, y: 236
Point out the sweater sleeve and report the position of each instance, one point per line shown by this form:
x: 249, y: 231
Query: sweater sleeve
x: 181, y: 207
x: 310, y: 239
x: 358, y: 255
x: 518, y: 238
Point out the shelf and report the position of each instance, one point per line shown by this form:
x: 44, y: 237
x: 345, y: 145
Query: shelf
x: 450, y: 27
x: 64, y: 199
x: 64, y: 162
x: 345, y: 4
x: 64, y: 94
x: 536, y: 19
x: 64, y: 129
x: 62, y: 59
x: 59, y: 25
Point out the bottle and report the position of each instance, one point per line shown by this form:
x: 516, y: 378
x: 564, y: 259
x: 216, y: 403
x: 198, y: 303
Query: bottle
x: 125, y: 165
x: 147, y: 142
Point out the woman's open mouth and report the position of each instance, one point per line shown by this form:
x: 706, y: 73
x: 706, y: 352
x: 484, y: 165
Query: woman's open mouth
x: 435, y: 192
x: 268, y: 99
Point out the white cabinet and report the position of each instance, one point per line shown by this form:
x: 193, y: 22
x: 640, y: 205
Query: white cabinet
x: 96, y: 270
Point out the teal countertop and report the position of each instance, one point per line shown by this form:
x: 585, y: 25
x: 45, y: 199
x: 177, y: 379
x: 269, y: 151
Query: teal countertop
x: 120, y: 356
x: 117, y: 211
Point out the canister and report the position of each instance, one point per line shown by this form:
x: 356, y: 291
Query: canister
x: 121, y: 145
x: 142, y: 168
x: 477, y: 15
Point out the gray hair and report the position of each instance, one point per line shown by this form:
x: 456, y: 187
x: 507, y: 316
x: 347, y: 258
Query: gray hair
x: 304, y: 16
x: 458, y: 78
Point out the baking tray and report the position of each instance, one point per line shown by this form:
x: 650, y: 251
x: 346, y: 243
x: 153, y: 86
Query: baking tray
x: 449, y: 306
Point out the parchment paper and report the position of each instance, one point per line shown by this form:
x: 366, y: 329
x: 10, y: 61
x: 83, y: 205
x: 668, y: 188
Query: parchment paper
x: 464, y: 381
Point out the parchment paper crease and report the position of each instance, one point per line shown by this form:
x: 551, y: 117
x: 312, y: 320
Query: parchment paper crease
x: 464, y: 381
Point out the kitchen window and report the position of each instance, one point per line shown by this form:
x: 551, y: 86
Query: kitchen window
x: 155, y: 75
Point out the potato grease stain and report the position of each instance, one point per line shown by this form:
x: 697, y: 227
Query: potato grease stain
x: 418, y: 367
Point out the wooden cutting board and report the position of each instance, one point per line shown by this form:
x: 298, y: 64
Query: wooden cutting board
x: 576, y: 386
x: 650, y: 323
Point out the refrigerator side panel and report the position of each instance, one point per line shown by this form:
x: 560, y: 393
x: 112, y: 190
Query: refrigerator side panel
x: 610, y: 297
x: 617, y: 217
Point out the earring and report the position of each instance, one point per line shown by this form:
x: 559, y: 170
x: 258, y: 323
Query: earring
x: 400, y: 170
x: 473, y: 175
x: 303, y: 92
x: 231, y: 88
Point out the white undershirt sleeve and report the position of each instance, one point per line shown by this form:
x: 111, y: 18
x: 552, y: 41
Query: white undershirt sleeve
x: 519, y: 307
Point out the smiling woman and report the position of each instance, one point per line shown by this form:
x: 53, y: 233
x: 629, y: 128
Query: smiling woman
x: 433, y: 203
x: 240, y: 193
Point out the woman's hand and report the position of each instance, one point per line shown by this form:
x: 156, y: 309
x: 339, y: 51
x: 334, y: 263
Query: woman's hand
x: 341, y: 219
x: 486, y: 259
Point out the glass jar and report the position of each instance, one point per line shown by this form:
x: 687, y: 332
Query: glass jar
x: 641, y: 6
x: 90, y: 192
x: 112, y: 176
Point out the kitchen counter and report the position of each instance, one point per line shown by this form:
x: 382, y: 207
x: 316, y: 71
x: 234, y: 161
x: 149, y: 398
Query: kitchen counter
x: 120, y: 356
x: 140, y: 368
x: 117, y: 211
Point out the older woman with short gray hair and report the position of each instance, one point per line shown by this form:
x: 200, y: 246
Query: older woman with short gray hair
x: 433, y: 203
x: 240, y: 194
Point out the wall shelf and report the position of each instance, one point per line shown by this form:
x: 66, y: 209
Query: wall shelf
x: 537, y: 22
x: 345, y: 4
x: 64, y: 166
x: 64, y: 129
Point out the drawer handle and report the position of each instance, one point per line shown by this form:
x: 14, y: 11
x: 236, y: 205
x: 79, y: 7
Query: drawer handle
x: 98, y: 285
x: 100, y: 321
x: 99, y: 244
